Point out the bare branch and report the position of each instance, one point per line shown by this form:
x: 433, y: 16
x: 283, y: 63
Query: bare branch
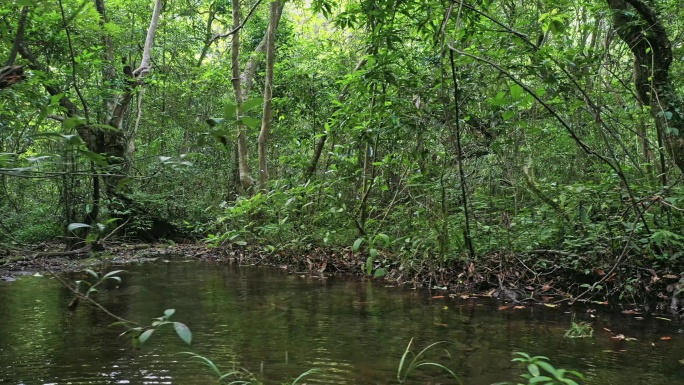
x: 238, y: 27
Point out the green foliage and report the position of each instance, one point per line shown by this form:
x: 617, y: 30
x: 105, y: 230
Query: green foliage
x: 410, y: 361
x: 379, y: 240
x: 579, y: 329
x: 87, y: 288
x: 140, y: 334
x: 539, y: 371
x: 557, y: 152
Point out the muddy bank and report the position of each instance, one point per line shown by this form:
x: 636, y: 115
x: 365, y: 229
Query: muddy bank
x: 652, y: 291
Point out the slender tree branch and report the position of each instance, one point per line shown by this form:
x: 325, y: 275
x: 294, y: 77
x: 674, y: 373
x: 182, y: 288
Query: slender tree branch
x: 19, y: 37
x: 73, y: 63
x: 238, y: 27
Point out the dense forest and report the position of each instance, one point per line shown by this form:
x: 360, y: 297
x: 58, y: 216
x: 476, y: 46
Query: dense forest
x: 476, y: 143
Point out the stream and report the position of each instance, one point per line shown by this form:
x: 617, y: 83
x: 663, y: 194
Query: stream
x: 279, y: 325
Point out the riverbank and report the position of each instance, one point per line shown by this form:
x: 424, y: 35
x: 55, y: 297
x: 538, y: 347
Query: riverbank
x: 507, y: 278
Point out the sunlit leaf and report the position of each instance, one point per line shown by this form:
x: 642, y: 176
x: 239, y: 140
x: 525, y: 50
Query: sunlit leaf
x: 74, y: 226
x: 169, y: 312
x: 183, y: 332
x: 144, y: 336
x: 251, y: 103
x: 357, y: 245
x: 229, y: 111
x: 250, y: 122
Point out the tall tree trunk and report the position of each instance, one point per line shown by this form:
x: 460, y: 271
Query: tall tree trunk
x: 246, y: 181
x: 273, y: 20
x: 638, y: 25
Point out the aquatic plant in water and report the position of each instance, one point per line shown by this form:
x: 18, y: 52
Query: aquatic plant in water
x: 406, y: 366
x: 579, y: 329
x: 540, y: 372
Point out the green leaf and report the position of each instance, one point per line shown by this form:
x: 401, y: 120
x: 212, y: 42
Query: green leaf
x: 373, y: 253
x: 91, y: 238
x: 74, y: 226
x: 250, y: 122
x: 144, y: 336
x: 357, y: 245
x: 533, y: 369
x: 384, y: 238
x: 535, y: 380
x: 99, y: 159
x: 169, y: 312
x: 369, y: 265
x: 546, y: 366
x: 380, y: 272
x: 516, y: 92
x: 92, y: 273
x: 73, y: 122
x: 251, y: 103
x: 183, y: 332
x: 229, y: 111
x: 111, y: 273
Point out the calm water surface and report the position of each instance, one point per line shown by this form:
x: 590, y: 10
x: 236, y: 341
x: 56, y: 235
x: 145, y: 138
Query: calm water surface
x: 278, y: 326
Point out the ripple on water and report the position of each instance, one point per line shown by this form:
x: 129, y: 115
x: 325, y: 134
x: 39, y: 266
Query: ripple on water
x: 279, y: 326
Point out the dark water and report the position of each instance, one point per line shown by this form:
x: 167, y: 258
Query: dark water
x: 278, y: 326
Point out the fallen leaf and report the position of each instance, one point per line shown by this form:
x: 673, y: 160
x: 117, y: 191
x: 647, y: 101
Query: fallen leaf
x: 545, y: 287
x: 663, y: 318
x: 681, y: 362
x: 630, y: 312
x: 618, y: 337
x: 551, y: 305
x: 518, y: 307
x: 630, y: 339
x: 665, y: 338
x: 608, y: 330
x: 437, y: 296
x: 441, y: 324
x: 504, y: 307
x: 670, y: 276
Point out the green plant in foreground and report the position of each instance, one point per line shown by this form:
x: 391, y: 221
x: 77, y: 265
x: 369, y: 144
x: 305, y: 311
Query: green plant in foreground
x: 140, y: 334
x: 579, y: 329
x: 407, y: 367
x: 372, y: 253
x: 238, y: 376
x: 540, y: 372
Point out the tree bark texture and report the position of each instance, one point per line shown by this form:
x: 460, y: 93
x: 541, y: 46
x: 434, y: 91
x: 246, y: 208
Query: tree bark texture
x: 246, y: 181
x: 274, y: 18
x: 638, y: 25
